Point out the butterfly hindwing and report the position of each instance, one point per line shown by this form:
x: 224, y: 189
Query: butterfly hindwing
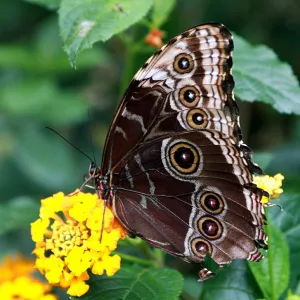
x: 173, y: 202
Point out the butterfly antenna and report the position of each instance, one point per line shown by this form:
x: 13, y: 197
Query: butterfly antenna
x: 69, y: 143
x: 281, y: 209
x: 270, y: 204
x: 105, y: 201
x: 91, y: 140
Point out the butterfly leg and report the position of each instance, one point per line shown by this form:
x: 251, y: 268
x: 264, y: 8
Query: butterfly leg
x: 86, y: 179
x: 205, y: 274
x: 88, y: 186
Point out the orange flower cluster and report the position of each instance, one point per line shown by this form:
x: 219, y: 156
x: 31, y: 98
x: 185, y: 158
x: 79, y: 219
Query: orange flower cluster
x: 17, y: 281
x: 67, y: 237
x: 154, y: 38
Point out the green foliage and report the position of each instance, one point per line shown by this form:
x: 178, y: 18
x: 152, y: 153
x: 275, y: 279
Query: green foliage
x: 83, y: 22
x: 36, y: 97
x: 233, y: 282
x: 134, y: 282
x: 51, y: 4
x: 288, y: 221
x: 272, y: 274
x: 161, y: 11
x: 263, y: 159
x: 12, y: 216
x: 44, y: 165
x: 261, y: 76
x: 38, y: 88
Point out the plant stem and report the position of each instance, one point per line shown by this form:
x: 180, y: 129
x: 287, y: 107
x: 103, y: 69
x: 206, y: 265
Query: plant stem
x: 146, y: 23
x: 128, y: 63
x: 132, y: 48
x: 137, y: 260
x: 145, y: 248
x: 159, y: 257
x: 270, y: 260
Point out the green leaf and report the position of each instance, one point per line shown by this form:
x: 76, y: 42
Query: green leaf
x: 18, y: 213
x: 287, y: 160
x: 192, y: 288
x: 51, y: 4
x: 263, y: 159
x: 161, y: 11
x: 232, y: 282
x: 261, y: 76
x: 50, y: 55
x: 53, y: 61
x: 288, y: 221
x: 84, y: 22
x: 43, y: 100
x: 272, y: 273
x: 134, y: 283
x: 45, y: 54
x: 47, y: 161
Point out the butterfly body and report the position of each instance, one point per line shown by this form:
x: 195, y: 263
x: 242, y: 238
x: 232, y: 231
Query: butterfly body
x: 175, y: 168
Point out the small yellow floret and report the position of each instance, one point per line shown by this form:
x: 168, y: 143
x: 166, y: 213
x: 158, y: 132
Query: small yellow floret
x: 271, y: 184
x: 78, y: 288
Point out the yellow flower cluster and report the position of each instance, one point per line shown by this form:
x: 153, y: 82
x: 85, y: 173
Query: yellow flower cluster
x: 70, y: 240
x: 271, y: 184
x: 17, y: 281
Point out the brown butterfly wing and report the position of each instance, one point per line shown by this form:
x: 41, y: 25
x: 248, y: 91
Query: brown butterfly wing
x: 190, y: 209
x: 175, y: 155
x: 151, y: 103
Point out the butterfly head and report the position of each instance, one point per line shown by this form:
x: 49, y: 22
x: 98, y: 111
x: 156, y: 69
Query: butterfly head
x: 100, y: 181
x: 94, y: 171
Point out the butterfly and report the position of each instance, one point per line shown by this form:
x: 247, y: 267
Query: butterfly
x: 175, y: 168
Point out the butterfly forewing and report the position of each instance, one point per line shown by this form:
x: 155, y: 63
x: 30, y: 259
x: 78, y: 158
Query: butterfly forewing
x: 182, y: 176
x: 158, y: 91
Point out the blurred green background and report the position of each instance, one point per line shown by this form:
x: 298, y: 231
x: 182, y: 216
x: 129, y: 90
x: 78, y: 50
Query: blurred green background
x: 39, y: 88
